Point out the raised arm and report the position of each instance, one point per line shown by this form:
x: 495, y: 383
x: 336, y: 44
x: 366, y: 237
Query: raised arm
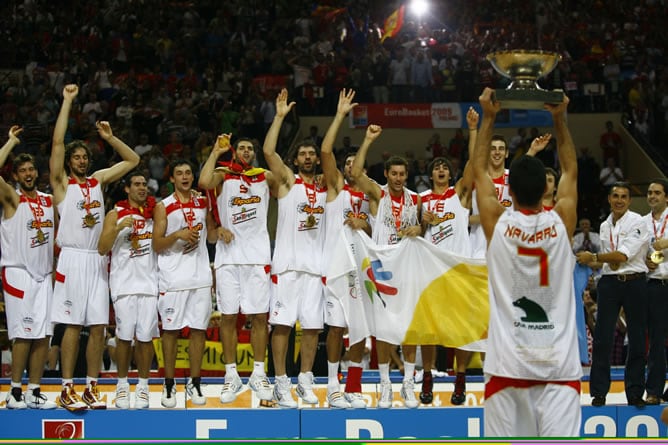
x: 567, y: 192
x: 130, y: 159
x: 57, y: 173
x: 209, y: 178
x: 488, y: 203
x: 464, y: 187
x: 12, y: 142
x: 539, y: 144
x: 283, y: 174
x: 371, y: 188
x: 333, y: 176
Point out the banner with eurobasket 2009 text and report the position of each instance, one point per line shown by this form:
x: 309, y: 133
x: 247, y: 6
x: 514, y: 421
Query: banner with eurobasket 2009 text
x: 439, y: 115
x: 408, y: 293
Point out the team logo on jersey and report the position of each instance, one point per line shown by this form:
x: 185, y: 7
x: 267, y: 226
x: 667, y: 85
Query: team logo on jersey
x: 507, y: 203
x: 310, y: 222
x: 374, y: 271
x: 81, y: 205
x: 442, y: 233
x: 447, y: 216
x: 350, y: 214
x: 189, y: 247
x: 239, y: 201
x: 535, y: 317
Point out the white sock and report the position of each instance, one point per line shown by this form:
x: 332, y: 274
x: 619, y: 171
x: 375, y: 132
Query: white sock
x: 67, y: 382
x: 231, y: 370
x: 32, y: 386
x: 384, y: 371
x: 15, y: 384
x: 142, y: 382
x: 122, y: 381
x: 258, y: 368
x: 409, y: 370
x: 90, y: 380
x: 333, y: 375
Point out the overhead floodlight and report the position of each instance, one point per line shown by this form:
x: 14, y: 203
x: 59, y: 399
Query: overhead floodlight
x: 419, y: 7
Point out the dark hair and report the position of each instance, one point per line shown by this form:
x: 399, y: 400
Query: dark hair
x: 127, y: 179
x: 177, y: 162
x: 498, y: 137
x: 396, y: 160
x: 553, y: 172
x: 662, y: 182
x: 245, y: 139
x: 620, y: 184
x: 71, y: 148
x: 527, y: 180
x: 21, y: 159
x: 352, y: 153
x: 439, y: 160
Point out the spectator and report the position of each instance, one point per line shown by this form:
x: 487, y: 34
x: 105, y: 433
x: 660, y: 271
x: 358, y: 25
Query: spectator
x: 610, y: 173
x: 611, y: 144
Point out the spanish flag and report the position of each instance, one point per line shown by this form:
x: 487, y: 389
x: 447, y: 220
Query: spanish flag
x: 393, y: 23
x: 411, y: 292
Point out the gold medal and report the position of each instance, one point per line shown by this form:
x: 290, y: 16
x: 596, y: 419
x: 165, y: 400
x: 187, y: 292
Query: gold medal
x: 614, y: 266
x: 657, y: 257
x: 134, y: 241
x: 89, y: 220
x: 40, y: 236
x: 310, y: 221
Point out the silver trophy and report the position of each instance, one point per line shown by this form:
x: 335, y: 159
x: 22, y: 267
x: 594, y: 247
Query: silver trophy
x: 524, y: 68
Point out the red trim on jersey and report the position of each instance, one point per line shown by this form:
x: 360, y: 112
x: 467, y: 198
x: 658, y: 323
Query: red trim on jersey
x: 413, y: 195
x: 267, y: 268
x: 324, y: 280
x: 11, y: 290
x: 529, y: 212
x: 497, y: 384
x: 92, y: 182
x: 43, y: 200
x: 60, y: 277
x: 195, y: 203
x: 274, y: 278
x: 318, y: 188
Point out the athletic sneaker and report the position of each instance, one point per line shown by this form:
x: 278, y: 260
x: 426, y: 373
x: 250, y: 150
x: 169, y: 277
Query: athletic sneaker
x: 336, y: 399
x: 408, y: 394
x: 385, y: 399
x: 259, y: 384
x: 231, y: 388
x: 427, y: 394
x: 15, y: 399
x: 36, y: 400
x: 194, y: 392
x: 305, y: 388
x: 141, y: 397
x: 283, y: 393
x: 168, y: 399
x: 70, y: 400
x: 92, y: 397
x: 122, y: 399
x: 356, y: 399
x: 459, y: 395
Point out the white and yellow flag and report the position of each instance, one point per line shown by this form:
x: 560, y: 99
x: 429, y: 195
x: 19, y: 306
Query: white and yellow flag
x: 410, y: 292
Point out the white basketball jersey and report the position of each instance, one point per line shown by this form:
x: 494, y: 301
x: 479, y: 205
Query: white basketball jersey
x: 134, y: 265
x: 300, y: 231
x: 477, y: 236
x: 394, y: 214
x: 452, y: 231
x: 347, y: 204
x: 22, y: 244
x: 242, y: 206
x: 532, y: 328
x: 81, y: 215
x: 185, y: 266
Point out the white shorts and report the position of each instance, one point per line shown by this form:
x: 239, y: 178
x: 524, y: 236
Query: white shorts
x: 27, y: 304
x: 549, y: 410
x: 334, y: 314
x: 136, y: 317
x: 243, y: 286
x: 81, y: 290
x: 185, y: 308
x: 297, y: 296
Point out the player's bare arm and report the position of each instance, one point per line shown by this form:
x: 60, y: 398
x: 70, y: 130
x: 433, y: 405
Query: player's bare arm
x: 209, y: 177
x: 333, y: 176
x: 110, y: 231
x: 371, y: 188
x: 488, y: 203
x: 57, y: 173
x: 130, y: 159
x: 283, y: 175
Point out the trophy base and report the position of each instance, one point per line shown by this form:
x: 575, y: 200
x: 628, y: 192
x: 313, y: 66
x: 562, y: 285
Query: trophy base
x: 529, y: 99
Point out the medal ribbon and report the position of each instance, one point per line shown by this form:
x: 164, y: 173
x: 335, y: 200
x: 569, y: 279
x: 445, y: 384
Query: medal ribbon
x: 397, y: 210
x: 85, y: 191
x: 185, y: 216
x: 663, y: 228
x: 310, y: 196
x: 36, y: 211
x: 356, y: 204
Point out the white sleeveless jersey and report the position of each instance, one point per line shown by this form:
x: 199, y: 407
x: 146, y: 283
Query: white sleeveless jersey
x: 134, y: 270
x: 81, y: 200
x: 22, y: 246
x: 299, y: 243
x: 477, y: 236
x: 452, y: 231
x: 185, y: 266
x: 242, y: 206
x: 347, y: 204
x: 402, y: 210
x: 532, y: 328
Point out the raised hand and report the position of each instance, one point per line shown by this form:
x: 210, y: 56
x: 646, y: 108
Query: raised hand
x: 282, y: 105
x: 557, y: 109
x: 222, y: 143
x: 70, y: 92
x: 488, y: 103
x: 373, y: 131
x: 472, y: 118
x: 14, y: 133
x: 104, y: 129
x: 346, y: 102
x: 539, y: 143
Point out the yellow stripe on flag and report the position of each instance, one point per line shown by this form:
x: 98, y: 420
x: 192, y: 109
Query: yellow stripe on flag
x: 453, y: 310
